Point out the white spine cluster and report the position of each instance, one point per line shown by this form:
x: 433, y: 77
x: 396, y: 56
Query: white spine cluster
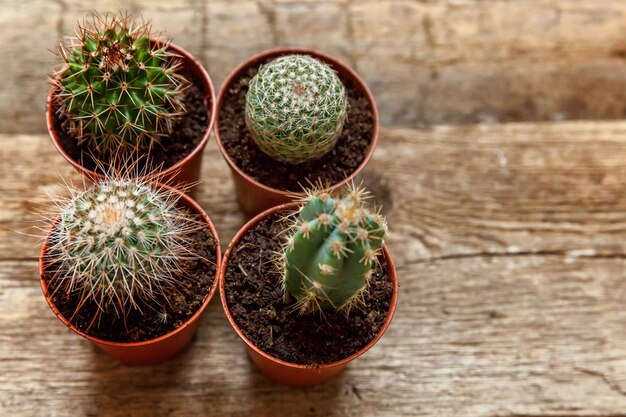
x: 120, y: 243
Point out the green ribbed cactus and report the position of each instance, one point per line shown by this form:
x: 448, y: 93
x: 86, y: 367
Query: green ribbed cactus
x: 296, y: 107
x: 329, y: 255
x: 120, y: 244
x: 117, y: 90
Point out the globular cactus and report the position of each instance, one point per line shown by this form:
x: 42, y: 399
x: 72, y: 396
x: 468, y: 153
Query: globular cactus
x: 117, y: 89
x: 328, y: 257
x: 296, y: 107
x: 120, y: 244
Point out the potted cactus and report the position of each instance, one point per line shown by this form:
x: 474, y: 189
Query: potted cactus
x: 291, y: 117
x: 326, y: 297
x: 130, y: 265
x: 122, y: 93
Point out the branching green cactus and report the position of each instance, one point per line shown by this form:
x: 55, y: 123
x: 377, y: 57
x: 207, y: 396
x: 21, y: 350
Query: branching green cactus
x: 120, y: 244
x: 296, y: 107
x: 117, y: 89
x: 328, y: 257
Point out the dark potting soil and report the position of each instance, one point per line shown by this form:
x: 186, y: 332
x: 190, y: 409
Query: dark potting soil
x: 332, y: 168
x: 155, y: 319
x: 187, y: 133
x: 255, y: 299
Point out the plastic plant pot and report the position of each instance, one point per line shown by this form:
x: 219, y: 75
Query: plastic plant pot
x: 155, y: 350
x: 287, y: 373
x: 253, y: 196
x: 186, y: 172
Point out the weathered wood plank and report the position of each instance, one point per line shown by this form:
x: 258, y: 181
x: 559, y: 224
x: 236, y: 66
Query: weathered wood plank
x: 515, y: 188
x: 448, y: 191
x: 482, y: 336
x: 442, y: 61
x: 509, y: 244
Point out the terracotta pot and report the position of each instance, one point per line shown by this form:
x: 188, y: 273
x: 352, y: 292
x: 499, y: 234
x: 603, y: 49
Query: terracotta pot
x: 163, y: 347
x: 253, y: 196
x: 293, y: 374
x: 186, y: 172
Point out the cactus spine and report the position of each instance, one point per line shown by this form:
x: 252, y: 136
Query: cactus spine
x: 296, y: 107
x: 119, y: 244
x: 117, y: 89
x: 329, y: 255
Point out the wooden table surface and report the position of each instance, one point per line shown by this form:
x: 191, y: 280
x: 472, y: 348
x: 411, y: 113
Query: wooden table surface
x: 510, y: 242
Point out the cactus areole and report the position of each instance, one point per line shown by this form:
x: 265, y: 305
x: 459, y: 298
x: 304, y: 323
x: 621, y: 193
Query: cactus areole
x: 329, y: 255
x: 296, y: 107
x: 118, y: 89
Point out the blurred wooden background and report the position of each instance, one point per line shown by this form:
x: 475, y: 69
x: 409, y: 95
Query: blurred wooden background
x: 427, y: 61
x: 502, y: 177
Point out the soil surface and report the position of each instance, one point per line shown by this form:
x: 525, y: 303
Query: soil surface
x: 255, y: 299
x: 156, y: 319
x: 335, y: 166
x: 186, y: 134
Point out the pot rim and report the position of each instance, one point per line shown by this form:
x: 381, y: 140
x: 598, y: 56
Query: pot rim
x: 335, y: 62
x: 172, y: 170
x: 391, y: 270
x: 195, y: 207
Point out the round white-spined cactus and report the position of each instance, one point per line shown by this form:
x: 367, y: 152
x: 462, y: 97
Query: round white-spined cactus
x: 296, y: 107
x: 120, y: 244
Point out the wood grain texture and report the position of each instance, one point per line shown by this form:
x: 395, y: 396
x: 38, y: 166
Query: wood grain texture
x: 509, y: 241
x: 427, y: 62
